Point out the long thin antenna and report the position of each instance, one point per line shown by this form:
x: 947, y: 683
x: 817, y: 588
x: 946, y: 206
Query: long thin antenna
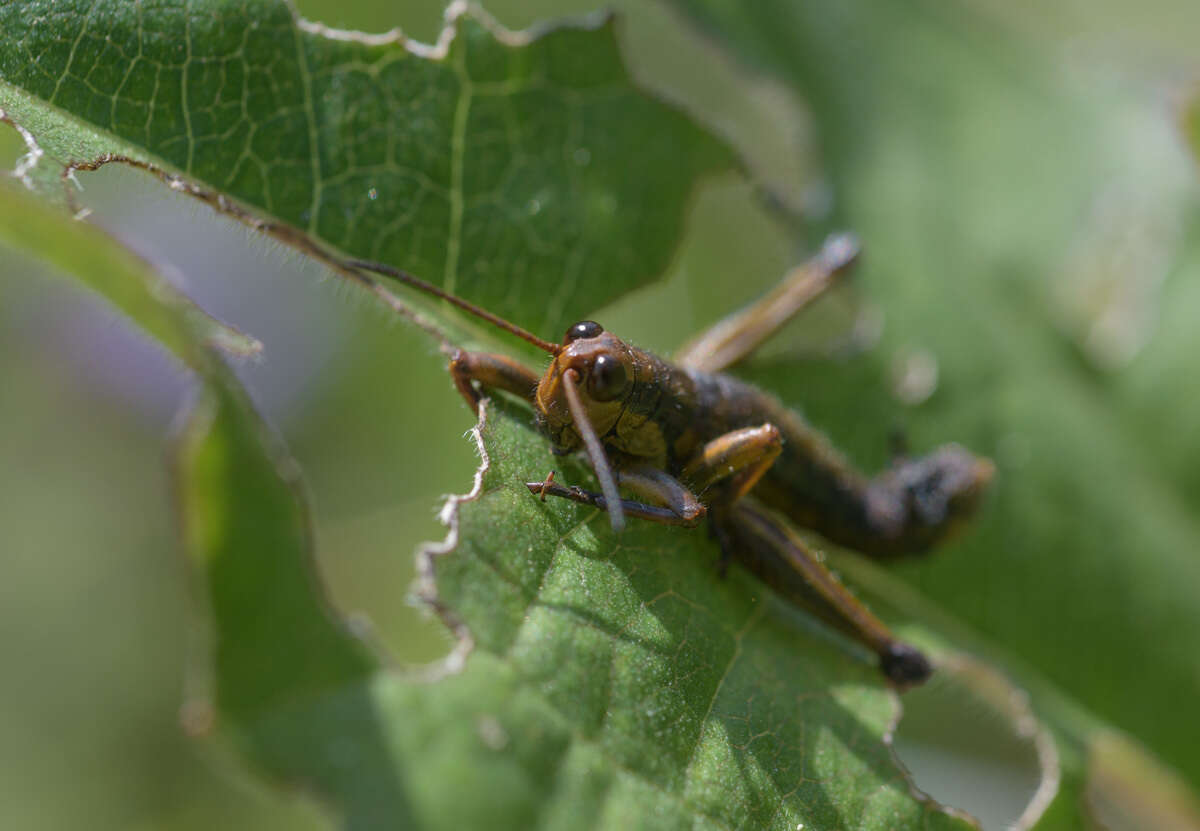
x: 608, y: 485
x: 429, y: 288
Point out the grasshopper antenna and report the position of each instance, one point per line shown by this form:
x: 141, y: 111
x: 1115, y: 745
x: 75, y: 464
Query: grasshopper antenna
x: 608, y: 485
x: 429, y: 288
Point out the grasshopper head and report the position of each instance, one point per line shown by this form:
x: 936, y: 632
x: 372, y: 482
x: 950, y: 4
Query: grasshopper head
x: 580, y: 398
x: 602, y: 367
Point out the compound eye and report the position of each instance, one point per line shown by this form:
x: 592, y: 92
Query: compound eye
x: 584, y: 329
x: 607, y: 379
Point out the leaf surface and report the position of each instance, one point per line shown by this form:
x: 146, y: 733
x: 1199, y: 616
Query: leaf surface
x: 490, y: 154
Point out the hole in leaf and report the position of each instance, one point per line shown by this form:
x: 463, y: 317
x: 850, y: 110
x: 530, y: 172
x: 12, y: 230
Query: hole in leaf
x: 969, y: 741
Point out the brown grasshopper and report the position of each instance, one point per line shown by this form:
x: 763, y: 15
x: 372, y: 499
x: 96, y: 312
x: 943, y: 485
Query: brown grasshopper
x: 690, y: 442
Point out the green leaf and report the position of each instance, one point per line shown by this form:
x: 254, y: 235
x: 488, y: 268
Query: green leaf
x: 965, y: 160
x: 491, y: 154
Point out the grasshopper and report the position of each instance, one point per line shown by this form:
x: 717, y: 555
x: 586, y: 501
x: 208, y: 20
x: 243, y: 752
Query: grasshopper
x: 691, y: 442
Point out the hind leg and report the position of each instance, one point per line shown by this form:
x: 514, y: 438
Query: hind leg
x: 735, y: 337
x: 762, y: 543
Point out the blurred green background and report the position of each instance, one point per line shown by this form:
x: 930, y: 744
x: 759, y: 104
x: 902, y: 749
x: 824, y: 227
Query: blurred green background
x: 94, y: 604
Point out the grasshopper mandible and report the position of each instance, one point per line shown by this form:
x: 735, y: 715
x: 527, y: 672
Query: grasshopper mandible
x: 691, y: 442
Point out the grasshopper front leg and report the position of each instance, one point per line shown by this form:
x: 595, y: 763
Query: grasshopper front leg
x: 490, y: 370
x: 728, y: 466
x: 669, y: 501
x: 641, y: 510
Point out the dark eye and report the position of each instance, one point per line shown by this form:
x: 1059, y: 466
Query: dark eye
x: 584, y: 329
x: 606, y: 381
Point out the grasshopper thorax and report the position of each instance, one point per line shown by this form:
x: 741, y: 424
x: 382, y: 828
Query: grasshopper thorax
x: 601, y: 367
